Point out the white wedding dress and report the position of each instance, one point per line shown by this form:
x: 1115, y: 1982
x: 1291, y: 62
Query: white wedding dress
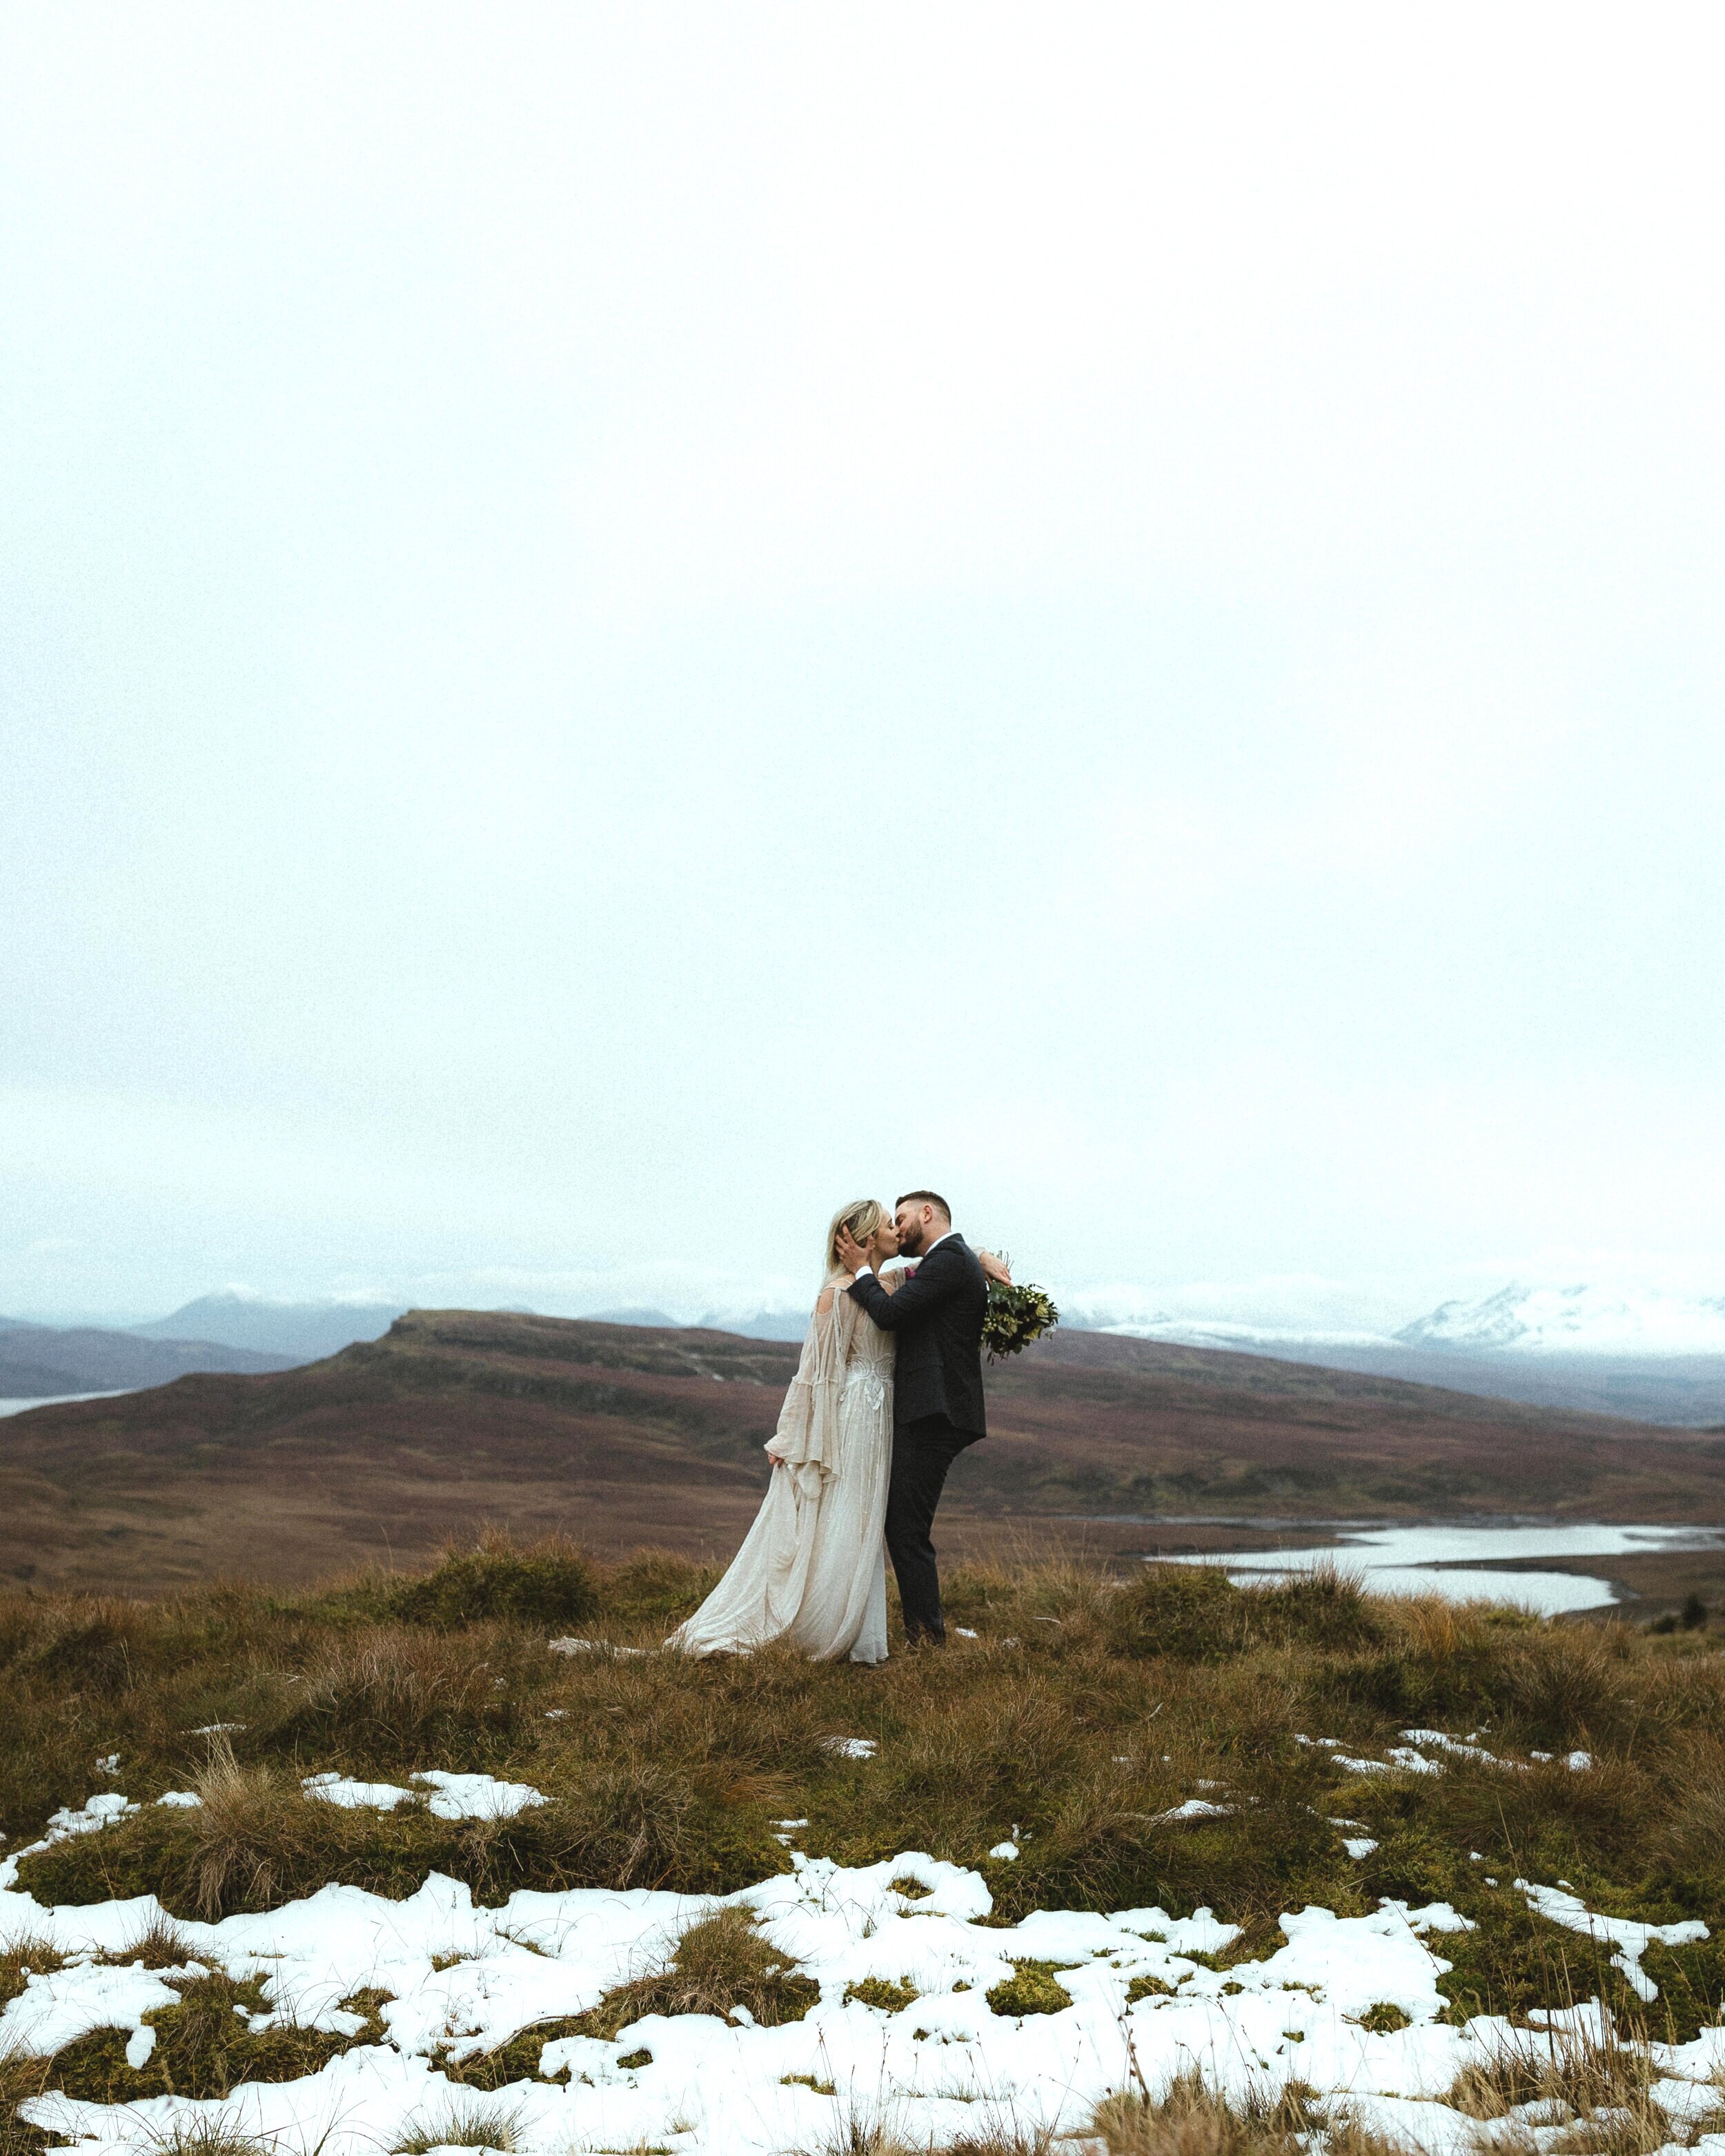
x: 813, y: 1570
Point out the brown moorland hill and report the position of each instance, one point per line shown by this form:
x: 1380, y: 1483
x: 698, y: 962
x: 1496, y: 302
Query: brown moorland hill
x: 621, y: 1435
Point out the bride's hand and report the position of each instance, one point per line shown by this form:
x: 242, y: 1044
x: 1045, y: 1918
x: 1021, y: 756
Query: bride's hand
x: 995, y: 1268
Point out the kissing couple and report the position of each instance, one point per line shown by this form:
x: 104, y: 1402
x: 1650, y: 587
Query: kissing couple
x: 888, y: 1392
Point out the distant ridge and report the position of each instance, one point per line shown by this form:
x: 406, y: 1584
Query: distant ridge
x: 302, y: 1331
x: 45, y: 1362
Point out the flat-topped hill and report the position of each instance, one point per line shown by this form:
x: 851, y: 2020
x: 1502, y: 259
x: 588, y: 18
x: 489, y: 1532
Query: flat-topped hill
x: 620, y: 1435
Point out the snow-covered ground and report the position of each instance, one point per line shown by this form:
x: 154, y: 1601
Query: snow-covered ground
x: 944, y: 2066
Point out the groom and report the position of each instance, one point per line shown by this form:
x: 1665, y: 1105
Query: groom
x: 937, y: 1394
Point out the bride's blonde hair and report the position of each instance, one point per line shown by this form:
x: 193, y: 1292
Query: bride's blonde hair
x: 862, y: 1216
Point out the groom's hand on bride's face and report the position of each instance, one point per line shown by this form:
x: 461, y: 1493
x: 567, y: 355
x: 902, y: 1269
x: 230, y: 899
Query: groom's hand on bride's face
x: 851, y: 1253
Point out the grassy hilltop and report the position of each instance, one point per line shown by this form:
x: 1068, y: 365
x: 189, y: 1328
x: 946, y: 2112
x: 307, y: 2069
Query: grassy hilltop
x: 1083, y: 1722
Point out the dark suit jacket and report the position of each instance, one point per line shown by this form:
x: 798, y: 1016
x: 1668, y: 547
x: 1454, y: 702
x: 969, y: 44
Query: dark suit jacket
x: 938, y: 1318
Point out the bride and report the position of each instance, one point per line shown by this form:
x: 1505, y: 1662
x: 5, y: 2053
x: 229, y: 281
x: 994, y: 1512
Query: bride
x: 812, y: 1568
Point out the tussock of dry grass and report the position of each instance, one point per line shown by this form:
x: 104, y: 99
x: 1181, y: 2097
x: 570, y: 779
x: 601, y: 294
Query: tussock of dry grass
x: 721, y: 1962
x: 206, y: 2136
x: 1187, y: 2119
x: 464, y: 2125
x: 19, y: 1958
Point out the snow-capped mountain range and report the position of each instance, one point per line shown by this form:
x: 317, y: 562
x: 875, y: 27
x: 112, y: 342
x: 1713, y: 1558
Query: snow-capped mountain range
x: 1584, y: 1319
x: 1581, y: 1319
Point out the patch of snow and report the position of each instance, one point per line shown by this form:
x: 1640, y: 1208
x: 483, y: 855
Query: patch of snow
x: 1195, y: 1807
x: 90, y: 1818
x: 1628, y: 1939
x: 342, y: 1789
x: 1005, y: 1852
x: 56, y: 2008
x: 477, y: 1796
x: 851, y: 1748
x: 1458, y: 1747
x: 574, y: 1647
x: 456, y: 1796
x: 1687, y: 2102
x: 1359, y: 1845
x: 187, y: 1799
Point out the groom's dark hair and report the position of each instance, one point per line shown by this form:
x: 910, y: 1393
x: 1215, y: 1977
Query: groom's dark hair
x: 924, y: 1197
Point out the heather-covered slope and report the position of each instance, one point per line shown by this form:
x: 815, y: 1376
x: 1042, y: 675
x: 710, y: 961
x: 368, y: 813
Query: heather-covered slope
x: 620, y: 1435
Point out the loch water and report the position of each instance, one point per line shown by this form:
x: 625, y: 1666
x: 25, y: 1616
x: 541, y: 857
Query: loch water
x: 1464, y: 1561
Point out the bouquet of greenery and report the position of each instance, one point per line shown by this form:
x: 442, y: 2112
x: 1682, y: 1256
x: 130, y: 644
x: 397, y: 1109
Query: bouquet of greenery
x: 1016, y: 1317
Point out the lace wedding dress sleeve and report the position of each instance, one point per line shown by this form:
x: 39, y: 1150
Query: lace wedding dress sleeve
x: 809, y: 1435
x: 811, y: 1569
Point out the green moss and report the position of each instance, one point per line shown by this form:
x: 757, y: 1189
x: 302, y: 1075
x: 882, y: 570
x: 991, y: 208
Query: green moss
x: 204, y: 2048
x: 880, y: 1991
x: 1148, y: 1987
x: 1384, y: 2019
x: 1033, y: 1988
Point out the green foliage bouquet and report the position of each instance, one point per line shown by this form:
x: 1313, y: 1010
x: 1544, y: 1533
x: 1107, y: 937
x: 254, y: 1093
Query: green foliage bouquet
x: 1016, y: 1317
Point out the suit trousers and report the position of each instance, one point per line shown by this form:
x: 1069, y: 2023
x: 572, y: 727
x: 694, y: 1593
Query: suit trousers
x: 922, y: 1453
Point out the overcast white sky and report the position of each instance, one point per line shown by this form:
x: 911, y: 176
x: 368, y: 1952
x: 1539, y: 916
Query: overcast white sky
x: 619, y: 623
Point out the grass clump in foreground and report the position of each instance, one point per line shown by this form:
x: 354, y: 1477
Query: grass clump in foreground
x: 719, y: 1963
x: 1189, y: 2119
x: 459, y: 2125
x: 1084, y: 1712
